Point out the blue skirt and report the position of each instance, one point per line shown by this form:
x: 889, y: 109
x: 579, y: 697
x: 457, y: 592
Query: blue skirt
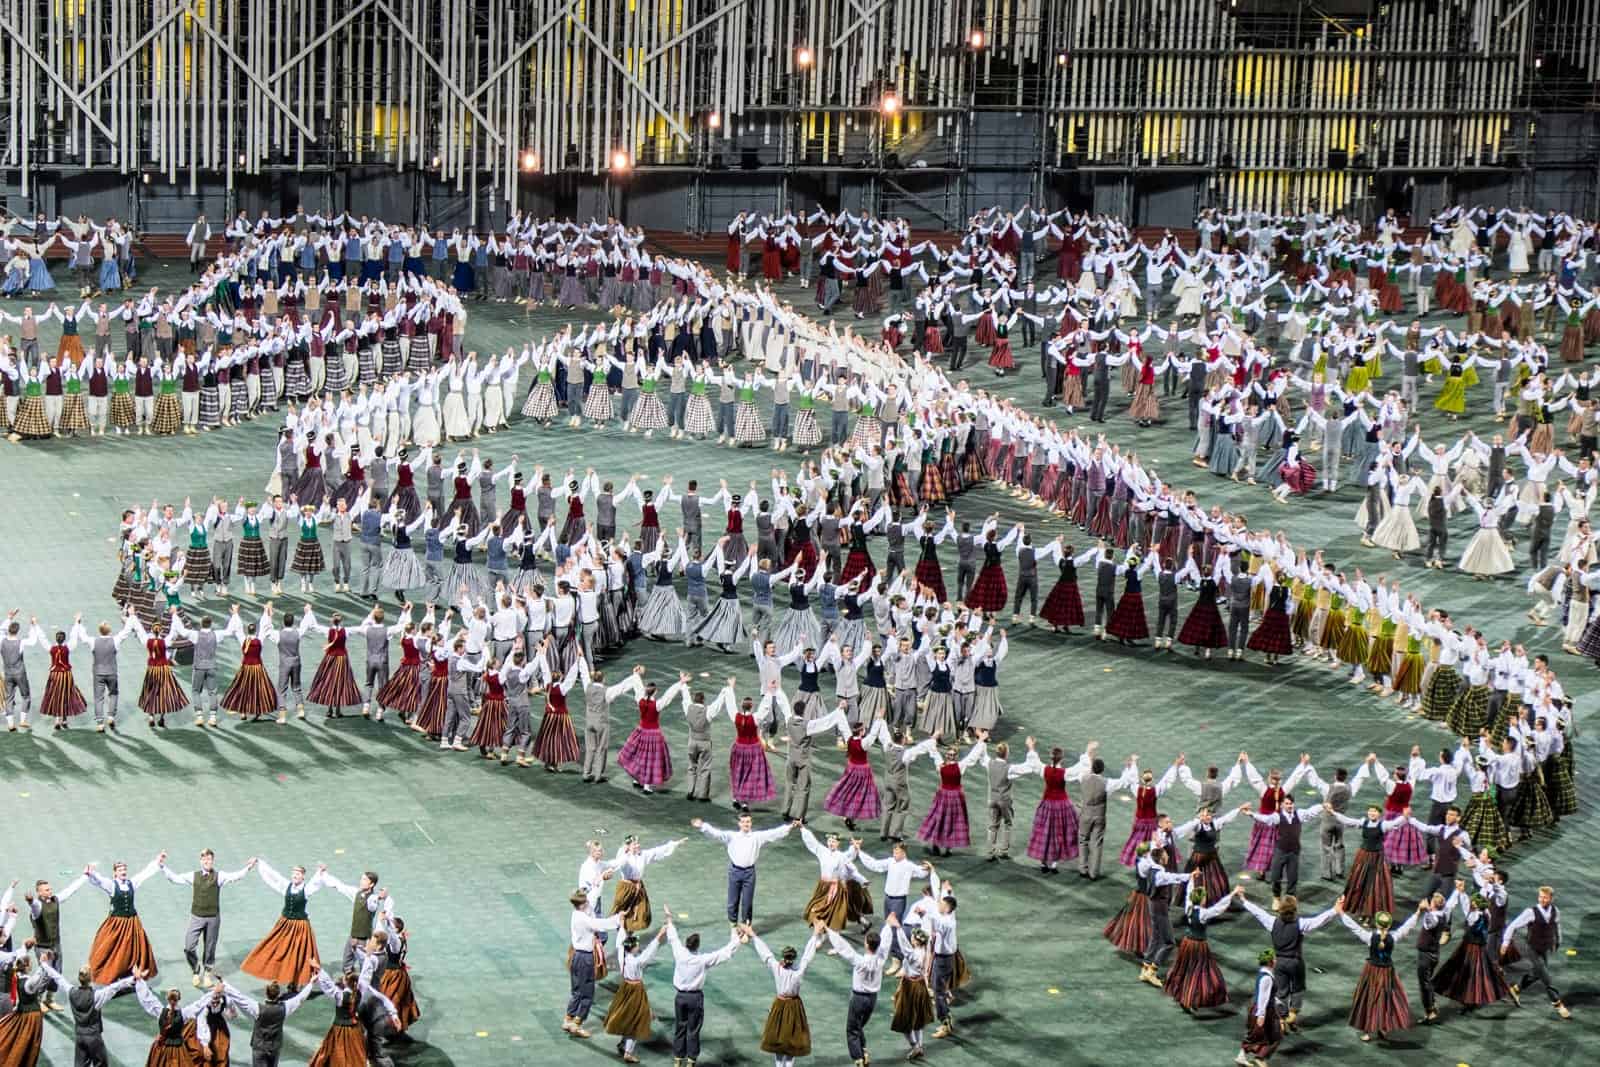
x: 414, y: 265
x: 463, y: 278
x: 371, y: 270
x: 16, y: 281
x: 110, y: 276
x: 336, y: 271
x: 39, y: 275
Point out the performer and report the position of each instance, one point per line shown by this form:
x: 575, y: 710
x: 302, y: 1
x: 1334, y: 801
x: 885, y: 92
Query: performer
x: 840, y: 895
x: 120, y: 945
x: 584, y: 941
x: 913, y: 1002
x: 744, y: 849
x: 689, y: 969
x: 631, y: 900
x: 1263, y: 1026
x: 168, y: 1049
x: 1472, y: 976
x: 205, y: 911
x: 289, y: 947
x: 63, y: 699
x: 1283, y: 871
x: 368, y: 903
x: 1369, y: 888
x: 266, y: 1037
x: 1379, y: 1006
x: 161, y: 695
x: 346, y: 1043
x: 866, y: 979
x: 1194, y: 980
x: 787, y: 1034
x: 644, y: 755
x: 855, y: 795
x: 87, y: 1001
x: 394, y: 977
x: 22, y: 1029
x: 1543, y: 925
x: 1288, y: 932
x: 629, y: 1016
x: 334, y: 685
x: 945, y: 827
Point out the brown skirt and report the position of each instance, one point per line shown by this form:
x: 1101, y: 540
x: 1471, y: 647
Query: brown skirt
x: 396, y: 985
x: 913, y: 1006
x: 217, y: 1054
x: 829, y: 902
x: 860, y: 898
x: 960, y: 973
x: 284, y: 955
x: 119, y: 946
x: 629, y: 1014
x: 633, y: 901
x: 165, y: 1055
x: 345, y: 1046
x: 787, y: 1033
x: 21, y: 1034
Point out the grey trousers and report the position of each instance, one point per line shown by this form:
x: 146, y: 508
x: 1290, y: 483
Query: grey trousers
x: 377, y: 676
x: 205, y: 685
x: 902, y: 707
x: 105, y: 689
x: 221, y: 562
x: 278, y: 556
x: 699, y: 769
x: 1001, y: 817
x: 1091, y: 840
x: 457, y: 716
x: 796, y: 790
x: 371, y: 569
x: 596, y: 746
x: 341, y: 562
x: 896, y: 805
x: 201, y: 928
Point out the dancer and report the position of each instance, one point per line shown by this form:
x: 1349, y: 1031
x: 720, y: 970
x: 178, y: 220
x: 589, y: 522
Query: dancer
x: 289, y: 947
x: 866, y: 979
x: 644, y: 755
x: 1194, y: 980
x: 689, y: 969
x: 269, y: 1015
x: 1369, y: 888
x: 787, y: 1034
x: 1263, y: 1025
x: 629, y: 1016
x: 840, y: 895
x: 946, y: 827
x: 744, y: 849
x: 120, y: 946
x: 205, y: 911
x: 22, y: 1029
x: 1543, y: 925
x: 1379, y: 1006
x: 169, y: 1048
x: 1288, y: 932
x: 584, y: 943
x: 1472, y: 976
x: 631, y: 899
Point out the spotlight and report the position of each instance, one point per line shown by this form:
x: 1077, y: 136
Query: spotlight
x: 530, y: 161
x: 890, y: 103
x: 802, y: 57
x: 1061, y: 59
x: 619, y: 161
x: 714, y: 120
x: 975, y: 40
x: 436, y: 162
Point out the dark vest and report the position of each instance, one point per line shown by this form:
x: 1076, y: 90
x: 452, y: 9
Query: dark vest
x: 85, y: 1016
x: 1289, y: 834
x: 206, y: 902
x: 361, y: 918
x: 267, y: 1034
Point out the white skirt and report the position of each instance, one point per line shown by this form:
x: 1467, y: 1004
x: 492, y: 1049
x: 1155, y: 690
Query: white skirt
x: 1397, y: 532
x: 456, y: 421
x: 1486, y: 553
x: 425, y: 427
x: 494, y: 408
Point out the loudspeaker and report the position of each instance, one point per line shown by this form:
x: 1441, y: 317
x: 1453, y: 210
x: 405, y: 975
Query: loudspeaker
x: 1338, y: 158
x: 749, y: 160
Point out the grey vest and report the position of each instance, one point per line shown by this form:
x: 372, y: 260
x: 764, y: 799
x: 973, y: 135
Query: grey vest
x: 376, y: 636
x: 288, y: 647
x: 691, y: 511
x: 105, y: 657
x: 699, y: 725
x: 596, y: 712
x: 205, y: 650
x: 1092, y: 795
x: 799, y: 742
x: 999, y: 783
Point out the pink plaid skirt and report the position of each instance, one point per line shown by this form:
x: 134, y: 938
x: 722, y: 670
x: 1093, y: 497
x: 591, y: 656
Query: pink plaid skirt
x: 1263, y: 839
x: 1143, y: 830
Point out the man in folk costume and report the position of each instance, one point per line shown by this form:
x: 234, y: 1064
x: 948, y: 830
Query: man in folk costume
x: 199, y: 235
x: 205, y: 911
x: 1543, y: 925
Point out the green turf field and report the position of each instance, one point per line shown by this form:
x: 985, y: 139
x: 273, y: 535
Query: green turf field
x: 481, y: 859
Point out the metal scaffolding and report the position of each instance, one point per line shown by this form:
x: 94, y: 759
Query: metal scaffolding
x: 1268, y: 103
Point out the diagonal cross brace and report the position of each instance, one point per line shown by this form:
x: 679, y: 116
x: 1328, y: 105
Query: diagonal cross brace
x: 60, y: 83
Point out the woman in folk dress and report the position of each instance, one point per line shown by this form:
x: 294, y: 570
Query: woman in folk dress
x: 284, y: 955
x: 787, y: 1034
x: 644, y: 755
x: 120, y: 945
x: 946, y: 827
x: 629, y: 1017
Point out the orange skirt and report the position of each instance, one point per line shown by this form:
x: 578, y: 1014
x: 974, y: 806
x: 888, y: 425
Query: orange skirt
x: 21, y: 1034
x: 830, y: 902
x: 345, y: 1046
x: 285, y: 954
x: 396, y: 985
x: 165, y: 1055
x: 629, y: 1014
x: 119, y: 946
x: 217, y: 1054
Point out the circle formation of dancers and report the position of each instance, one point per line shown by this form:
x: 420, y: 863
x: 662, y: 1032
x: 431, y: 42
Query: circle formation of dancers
x: 370, y: 992
x: 909, y: 452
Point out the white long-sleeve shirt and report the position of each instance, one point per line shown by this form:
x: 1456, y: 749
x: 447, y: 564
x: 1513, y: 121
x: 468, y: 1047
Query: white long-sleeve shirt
x: 745, y: 848
x: 689, y: 968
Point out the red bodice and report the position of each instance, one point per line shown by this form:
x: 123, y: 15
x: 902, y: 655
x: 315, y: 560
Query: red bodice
x: 155, y: 647
x: 1144, y: 803
x: 1398, y: 800
x: 950, y: 776
x: 855, y: 752
x: 735, y: 522
x: 649, y: 715
x: 1055, y: 783
x: 1271, y: 797
x: 335, y: 646
x: 745, y: 731
x: 251, y: 654
x: 493, y: 690
x: 60, y: 658
x: 409, y: 656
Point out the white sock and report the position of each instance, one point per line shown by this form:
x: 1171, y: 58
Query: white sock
x: 915, y: 1038
x: 627, y: 1045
